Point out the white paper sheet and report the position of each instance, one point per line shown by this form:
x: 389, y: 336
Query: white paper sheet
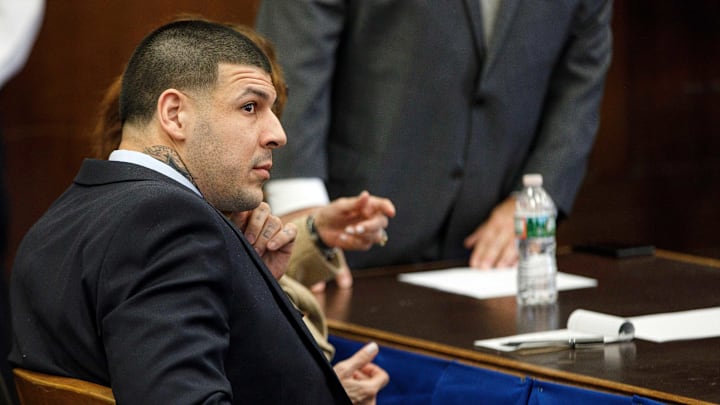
x: 481, y: 284
x: 684, y: 325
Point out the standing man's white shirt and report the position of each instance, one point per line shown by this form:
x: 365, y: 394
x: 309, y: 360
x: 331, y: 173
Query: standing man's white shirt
x: 293, y: 194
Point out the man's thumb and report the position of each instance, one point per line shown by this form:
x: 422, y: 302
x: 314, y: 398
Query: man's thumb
x: 357, y: 360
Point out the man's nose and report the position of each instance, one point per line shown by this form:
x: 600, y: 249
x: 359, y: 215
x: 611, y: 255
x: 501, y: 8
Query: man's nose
x: 275, y: 134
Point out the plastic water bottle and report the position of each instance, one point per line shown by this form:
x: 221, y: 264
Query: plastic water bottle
x: 535, y: 215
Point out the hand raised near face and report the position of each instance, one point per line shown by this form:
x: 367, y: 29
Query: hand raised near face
x: 272, y: 239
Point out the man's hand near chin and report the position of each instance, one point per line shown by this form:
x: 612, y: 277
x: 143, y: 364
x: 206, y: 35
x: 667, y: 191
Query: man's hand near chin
x: 272, y: 239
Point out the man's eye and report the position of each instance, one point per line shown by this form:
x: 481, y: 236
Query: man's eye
x: 249, y: 107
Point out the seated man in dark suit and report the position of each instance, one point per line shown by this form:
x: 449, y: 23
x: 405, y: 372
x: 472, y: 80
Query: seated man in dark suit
x: 135, y: 278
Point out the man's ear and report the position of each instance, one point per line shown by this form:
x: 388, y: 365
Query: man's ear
x: 173, y: 108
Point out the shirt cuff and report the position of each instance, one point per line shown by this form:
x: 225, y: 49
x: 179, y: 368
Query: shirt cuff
x: 289, y: 195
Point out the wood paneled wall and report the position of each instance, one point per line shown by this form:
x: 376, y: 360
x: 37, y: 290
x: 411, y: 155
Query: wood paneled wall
x: 653, y: 174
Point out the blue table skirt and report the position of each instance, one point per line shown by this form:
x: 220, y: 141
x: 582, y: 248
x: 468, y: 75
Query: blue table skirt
x: 418, y: 379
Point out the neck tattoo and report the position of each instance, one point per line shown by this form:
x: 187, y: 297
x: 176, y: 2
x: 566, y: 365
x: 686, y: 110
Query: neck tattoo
x: 170, y: 158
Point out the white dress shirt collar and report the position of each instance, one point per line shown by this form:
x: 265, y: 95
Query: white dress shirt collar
x: 151, y: 163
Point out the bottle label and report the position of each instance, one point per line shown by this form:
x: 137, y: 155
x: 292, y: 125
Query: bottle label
x: 534, y: 227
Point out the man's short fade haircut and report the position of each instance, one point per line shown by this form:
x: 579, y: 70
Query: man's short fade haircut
x: 183, y: 55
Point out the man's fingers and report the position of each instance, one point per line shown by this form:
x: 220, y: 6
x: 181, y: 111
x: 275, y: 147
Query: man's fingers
x: 347, y: 367
x: 377, y: 374
x: 359, y: 242
x: 473, y: 238
x: 509, y: 256
x: 256, y: 222
x: 283, y: 238
x: 369, y: 225
x: 240, y: 219
x: 484, y: 255
x: 271, y: 226
x: 344, y: 279
x: 499, y: 251
x: 347, y: 204
x: 318, y: 287
x: 380, y: 205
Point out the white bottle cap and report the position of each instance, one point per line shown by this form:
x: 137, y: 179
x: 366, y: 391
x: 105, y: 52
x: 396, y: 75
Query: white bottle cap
x: 532, y: 180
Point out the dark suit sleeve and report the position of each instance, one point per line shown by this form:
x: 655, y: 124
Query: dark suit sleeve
x: 306, y: 35
x: 571, y: 111
x: 163, y: 304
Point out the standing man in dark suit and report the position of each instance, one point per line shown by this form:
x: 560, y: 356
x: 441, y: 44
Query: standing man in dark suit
x: 440, y: 106
x: 135, y: 278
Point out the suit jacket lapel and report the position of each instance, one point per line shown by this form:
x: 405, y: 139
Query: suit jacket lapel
x: 503, y: 22
x: 475, y: 17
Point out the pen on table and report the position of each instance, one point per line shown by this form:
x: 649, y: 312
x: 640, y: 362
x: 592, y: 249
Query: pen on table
x: 569, y: 342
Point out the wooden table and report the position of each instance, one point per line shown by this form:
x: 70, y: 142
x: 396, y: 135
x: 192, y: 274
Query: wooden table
x: 425, y: 320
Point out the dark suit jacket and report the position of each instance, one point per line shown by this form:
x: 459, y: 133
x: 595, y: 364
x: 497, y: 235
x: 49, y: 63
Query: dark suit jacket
x: 132, y: 280
x: 402, y: 98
